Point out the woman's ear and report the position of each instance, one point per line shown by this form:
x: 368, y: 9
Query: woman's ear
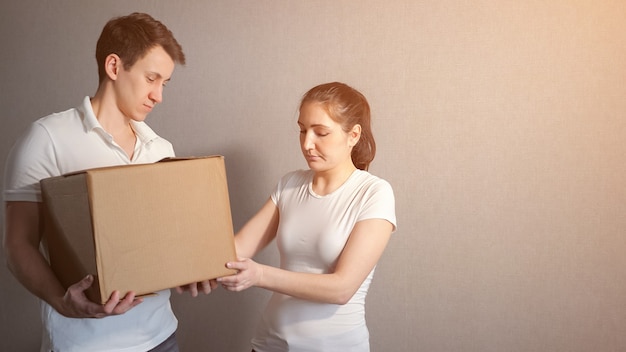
x: 112, y: 66
x: 354, y: 135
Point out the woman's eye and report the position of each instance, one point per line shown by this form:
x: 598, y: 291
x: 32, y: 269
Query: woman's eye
x: 319, y: 134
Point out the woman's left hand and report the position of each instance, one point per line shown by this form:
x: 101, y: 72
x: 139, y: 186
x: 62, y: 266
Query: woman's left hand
x: 249, y: 273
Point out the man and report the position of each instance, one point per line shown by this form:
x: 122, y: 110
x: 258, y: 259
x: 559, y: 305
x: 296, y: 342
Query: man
x: 136, y: 57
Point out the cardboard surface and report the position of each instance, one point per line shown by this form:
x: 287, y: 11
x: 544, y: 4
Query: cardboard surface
x: 140, y: 228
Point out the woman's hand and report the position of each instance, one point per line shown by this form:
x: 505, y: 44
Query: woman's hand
x: 249, y: 273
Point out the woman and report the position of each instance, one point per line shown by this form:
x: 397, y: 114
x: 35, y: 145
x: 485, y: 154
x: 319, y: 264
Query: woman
x: 331, y: 224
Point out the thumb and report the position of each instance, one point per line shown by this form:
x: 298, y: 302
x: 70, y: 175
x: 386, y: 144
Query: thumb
x: 85, y: 283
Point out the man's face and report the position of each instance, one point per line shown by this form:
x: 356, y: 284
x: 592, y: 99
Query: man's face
x: 140, y: 88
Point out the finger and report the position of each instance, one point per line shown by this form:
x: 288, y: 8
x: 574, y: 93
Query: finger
x: 193, y: 289
x: 228, y: 280
x: 239, y: 287
x: 83, y: 284
x: 110, y: 305
x: 236, y: 265
x: 233, y: 285
x: 206, y: 287
x: 228, y: 287
x: 129, y: 298
x: 136, y: 302
x: 125, y: 304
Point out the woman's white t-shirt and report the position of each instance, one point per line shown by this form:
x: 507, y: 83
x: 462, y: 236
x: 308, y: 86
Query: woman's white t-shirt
x: 312, y: 233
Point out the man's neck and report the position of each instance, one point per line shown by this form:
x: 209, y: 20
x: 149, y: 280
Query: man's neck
x: 109, y: 115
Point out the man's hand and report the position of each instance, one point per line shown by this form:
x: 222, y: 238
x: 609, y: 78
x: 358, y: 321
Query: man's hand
x: 203, y: 286
x: 76, y: 305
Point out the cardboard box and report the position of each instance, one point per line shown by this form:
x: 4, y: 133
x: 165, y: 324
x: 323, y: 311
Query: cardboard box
x: 140, y: 228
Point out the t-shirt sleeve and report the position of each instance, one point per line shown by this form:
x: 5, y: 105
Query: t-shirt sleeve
x: 289, y: 180
x: 275, y: 195
x: 379, y: 203
x: 31, y: 159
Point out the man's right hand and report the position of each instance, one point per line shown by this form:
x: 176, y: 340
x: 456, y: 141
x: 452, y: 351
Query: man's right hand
x: 76, y: 304
x: 21, y: 244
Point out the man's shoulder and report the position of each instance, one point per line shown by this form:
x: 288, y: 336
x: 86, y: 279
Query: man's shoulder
x: 60, y: 118
x: 63, y: 122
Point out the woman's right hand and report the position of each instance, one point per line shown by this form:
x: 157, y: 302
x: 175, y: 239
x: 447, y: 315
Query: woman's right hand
x: 249, y: 273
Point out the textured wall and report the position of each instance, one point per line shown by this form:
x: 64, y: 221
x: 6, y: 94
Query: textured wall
x: 500, y: 125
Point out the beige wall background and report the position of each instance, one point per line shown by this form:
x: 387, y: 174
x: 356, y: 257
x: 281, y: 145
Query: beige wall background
x: 500, y: 124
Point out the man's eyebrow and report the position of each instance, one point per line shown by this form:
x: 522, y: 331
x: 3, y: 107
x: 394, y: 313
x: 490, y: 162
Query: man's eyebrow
x: 158, y: 75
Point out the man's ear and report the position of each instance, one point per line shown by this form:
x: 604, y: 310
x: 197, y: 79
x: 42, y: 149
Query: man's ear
x: 112, y: 66
x: 354, y: 135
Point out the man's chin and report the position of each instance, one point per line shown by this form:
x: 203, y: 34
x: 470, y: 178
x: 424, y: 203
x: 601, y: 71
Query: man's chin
x: 139, y: 118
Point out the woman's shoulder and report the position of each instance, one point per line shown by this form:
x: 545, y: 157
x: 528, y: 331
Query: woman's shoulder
x: 366, y: 179
x: 296, y: 176
x: 290, y: 182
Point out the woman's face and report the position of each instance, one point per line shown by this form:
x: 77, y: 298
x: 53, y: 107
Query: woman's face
x: 324, y: 144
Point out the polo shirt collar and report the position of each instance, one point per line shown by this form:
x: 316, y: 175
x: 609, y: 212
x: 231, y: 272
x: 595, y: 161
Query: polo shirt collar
x: 89, y: 118
x: 144, y: 133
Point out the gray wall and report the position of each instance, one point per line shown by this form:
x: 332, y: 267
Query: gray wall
x: 500, y: 124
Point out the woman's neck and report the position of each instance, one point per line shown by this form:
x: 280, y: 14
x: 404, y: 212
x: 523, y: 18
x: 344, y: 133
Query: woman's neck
x: 328, y: 181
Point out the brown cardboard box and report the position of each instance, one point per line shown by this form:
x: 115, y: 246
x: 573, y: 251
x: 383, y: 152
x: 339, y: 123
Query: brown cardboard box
x: 140, y: 228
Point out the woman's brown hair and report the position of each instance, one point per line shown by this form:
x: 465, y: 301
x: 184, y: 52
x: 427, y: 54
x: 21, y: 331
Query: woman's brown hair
x: 348, y: 107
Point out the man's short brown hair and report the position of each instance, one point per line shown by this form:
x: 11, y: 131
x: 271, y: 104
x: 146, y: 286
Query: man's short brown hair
x: 131, y: 37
